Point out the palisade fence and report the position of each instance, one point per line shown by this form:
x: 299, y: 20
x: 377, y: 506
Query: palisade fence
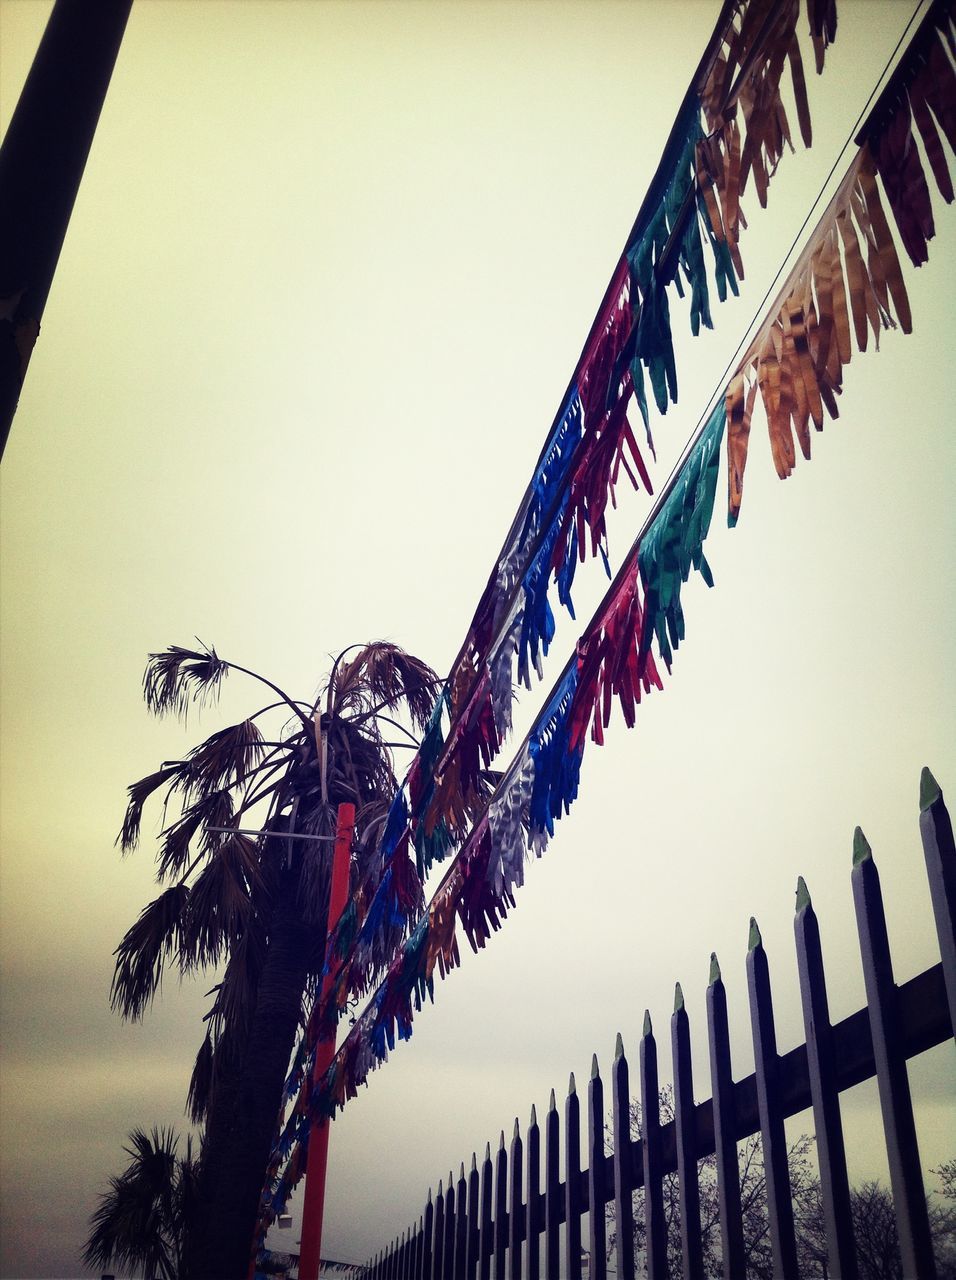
x: 510, y: 1213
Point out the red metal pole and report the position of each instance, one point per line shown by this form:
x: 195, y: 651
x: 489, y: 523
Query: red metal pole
x: 311, y: 1242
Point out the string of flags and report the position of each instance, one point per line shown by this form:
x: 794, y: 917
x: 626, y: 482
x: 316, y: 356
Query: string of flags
x: 795, y: 361
x: 561, y: 521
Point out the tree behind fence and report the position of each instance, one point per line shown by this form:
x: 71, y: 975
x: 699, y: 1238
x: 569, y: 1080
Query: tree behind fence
x: 677, y: 1180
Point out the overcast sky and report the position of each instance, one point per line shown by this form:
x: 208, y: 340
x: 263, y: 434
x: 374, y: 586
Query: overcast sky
x: 328, y: 274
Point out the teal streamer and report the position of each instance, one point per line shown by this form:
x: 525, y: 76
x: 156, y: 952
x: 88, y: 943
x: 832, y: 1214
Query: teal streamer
x: 673, y: 545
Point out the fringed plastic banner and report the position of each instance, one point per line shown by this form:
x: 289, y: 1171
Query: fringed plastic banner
x: 922, y: 91
x: 609, y: 664
x: 673, y: 543
x: 796, y: 360
x: 557, y: 769
x: 745, y: 120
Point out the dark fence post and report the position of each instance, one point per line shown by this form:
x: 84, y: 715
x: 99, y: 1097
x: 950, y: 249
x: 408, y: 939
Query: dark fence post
x: 426, y: 1262
x: 572, y: 1182
x: 623, y: 1169
x: 773, y: 1136
x: 654, y: 1220
x: 725, y: 1127
x: 448, y: 1249
x: 685, y: 1133
x: 438, y: 1246
x: 821, y: 1065
x: 597, y: 1190
x: 516, y: 1216
x: 461, y: 1225
x: 533, y: 1209
x: 906, y: 1178
x: 501, y: 1208
x: 474, y: 1222
x: 486, y: 1240
x: 552, y: 1192
x: 936, y: 830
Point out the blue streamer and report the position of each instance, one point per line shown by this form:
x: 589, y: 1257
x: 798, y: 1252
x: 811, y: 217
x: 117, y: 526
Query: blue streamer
x: 557, y: 769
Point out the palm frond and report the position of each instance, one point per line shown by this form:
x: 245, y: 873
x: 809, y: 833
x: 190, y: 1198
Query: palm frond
x: 213, y: 810
x: 220, y: 905
x: 145, y: 947
x: 381, y: 675
x: 200, y: 1082
x: 139, y: 1223
x: 178, y: 677
x: 224, y: 758
x: 139, y: 793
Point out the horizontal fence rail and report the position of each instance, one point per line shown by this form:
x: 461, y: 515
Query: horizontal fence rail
x: 505, y: 1218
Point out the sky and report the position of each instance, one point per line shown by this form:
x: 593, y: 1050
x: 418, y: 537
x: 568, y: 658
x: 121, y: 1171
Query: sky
x: 328, y: 274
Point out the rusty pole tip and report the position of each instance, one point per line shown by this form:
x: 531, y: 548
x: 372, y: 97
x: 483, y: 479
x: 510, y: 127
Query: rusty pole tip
x: 754, y: 940
x: 714, y: 969
x: 619, y: 1046
x: 678, y: 997
x: 534, y: 1117
x: 571, y: 1085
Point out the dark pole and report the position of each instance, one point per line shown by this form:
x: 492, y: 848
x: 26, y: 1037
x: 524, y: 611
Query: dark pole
x: 42, y: 159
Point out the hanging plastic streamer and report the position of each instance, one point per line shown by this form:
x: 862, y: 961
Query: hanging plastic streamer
x: 508, y: 820
x: 537, y: 618
x: 480, y: 908
x: 501, y: 667
x: 921, y: 92
x: 610, y: 665
x: 673, y: 544
x: 744, y: 117
x: 557, y: 768
x: 796, y: 359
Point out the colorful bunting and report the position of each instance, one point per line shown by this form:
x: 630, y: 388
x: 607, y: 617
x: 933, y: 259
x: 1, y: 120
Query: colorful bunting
x: 695, y: 196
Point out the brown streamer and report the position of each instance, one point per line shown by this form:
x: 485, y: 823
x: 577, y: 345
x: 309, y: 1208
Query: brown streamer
x: 797, y: 357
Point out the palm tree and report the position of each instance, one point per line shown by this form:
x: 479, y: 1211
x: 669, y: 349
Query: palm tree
x: 142, y: 1220
x: 256, y: 905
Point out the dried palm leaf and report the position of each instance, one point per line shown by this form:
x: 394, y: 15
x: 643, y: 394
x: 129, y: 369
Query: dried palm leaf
x: 144, y: 948
x: 177, y: 677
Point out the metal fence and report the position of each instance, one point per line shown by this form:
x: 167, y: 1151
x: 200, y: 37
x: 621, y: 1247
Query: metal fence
x: 510, y: 1212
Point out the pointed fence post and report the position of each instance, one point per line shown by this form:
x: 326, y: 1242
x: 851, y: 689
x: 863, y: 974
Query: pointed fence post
x: 685, y: 1127
x: 623, y: 1163
x: 425, y: 1266
x: 824, y: 1090
x: 552, y: 1191
x: 438, y: 1247
x: 486, y: 1244
x: 936, y: 830
x: 597, y: 1182
x: 783, y: 1240
x: 461, y: 1225
x: 572, y: 1185
x: 654, y: 1219
x: 906, y: 1178
x: 725, y: 1125
x: 533, y: 1210
x: 451, y: 1209
x: 317, y: 1164
x: 501, y: 1209
x: 474, y: 1222
x: 516, y: 1212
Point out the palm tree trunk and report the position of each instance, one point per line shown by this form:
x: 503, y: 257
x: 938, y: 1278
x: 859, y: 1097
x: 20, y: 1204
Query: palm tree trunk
x: 237, y: 1146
